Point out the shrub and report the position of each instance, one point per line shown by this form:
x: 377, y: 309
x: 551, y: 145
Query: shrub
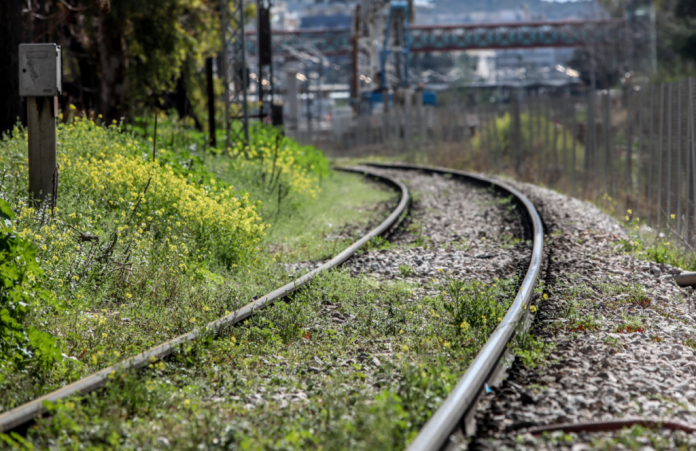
x: 20, y: 291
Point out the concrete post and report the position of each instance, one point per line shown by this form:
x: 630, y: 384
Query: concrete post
x: 293, y: 103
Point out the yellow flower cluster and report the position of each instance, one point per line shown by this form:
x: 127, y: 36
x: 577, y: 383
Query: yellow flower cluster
x: 214, y: 214
x: 280, y: 163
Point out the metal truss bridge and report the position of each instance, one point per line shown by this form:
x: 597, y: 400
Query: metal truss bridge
x: 447, y: 38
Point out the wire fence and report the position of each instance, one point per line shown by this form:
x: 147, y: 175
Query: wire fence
x: 631, y: 150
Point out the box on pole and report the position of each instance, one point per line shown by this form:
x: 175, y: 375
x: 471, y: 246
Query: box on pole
x: 40, y: 80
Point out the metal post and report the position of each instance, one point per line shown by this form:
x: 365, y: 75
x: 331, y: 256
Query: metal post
x: 692, y: 141
x: 679, y: 153
x: 564, y: 129
x: 612, y: 150
x: 554, y: 145
x: 669, y: 151
x: 651, y: 158
x: 641, y: 157
x: 572, y: 140
x: 293, y: 102
x: 687, y: 155
x: 211, y: 101
x: 660, y: 155
x: 605, y: 160
x: 629, y: 147
x: 498, y: 144
x: 592, y: 128
x: 546, y: 140
x: 589, y: 163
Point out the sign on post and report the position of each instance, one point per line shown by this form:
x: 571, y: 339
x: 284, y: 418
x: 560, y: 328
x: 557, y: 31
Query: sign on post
x: 40, y: 80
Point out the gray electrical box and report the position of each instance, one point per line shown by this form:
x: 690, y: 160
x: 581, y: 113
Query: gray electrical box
x: 40, y: 70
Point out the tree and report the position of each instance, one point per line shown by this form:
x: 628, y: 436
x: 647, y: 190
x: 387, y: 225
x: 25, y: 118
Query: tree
x: 121, y: 55
x: 684, y: 33
x: 10, y: 37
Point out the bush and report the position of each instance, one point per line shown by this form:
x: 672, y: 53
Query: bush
x: 280, y: 164
x: 125, y: 229
x: 20, y: 291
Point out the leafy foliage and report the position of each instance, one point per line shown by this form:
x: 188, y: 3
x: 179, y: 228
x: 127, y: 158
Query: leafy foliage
x: 20, y: 292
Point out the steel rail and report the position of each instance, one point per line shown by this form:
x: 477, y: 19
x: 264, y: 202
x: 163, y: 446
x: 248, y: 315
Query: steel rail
x: 26, y: 412
x: 465, y: 394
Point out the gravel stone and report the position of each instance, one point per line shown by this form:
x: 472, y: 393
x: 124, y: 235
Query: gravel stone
x: 603, y: 372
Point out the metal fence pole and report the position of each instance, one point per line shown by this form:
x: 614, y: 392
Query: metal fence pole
x: 679, y: 154
x: 498, y: 144
x: 689, y: 175
x: 669, y: 151
x: 641, y: 157
x: 612, y: 150
x: 605, y: 137
x: 629, y: 148
x: 573, y: 149
x: 660, y: 155
x: 564, y: 129
x: 692, y: 141
x: 555, y: 137
x: 546, y: 137
x: 651, y: 159
x: 589, y: 163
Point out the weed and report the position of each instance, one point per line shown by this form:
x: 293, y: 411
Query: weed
x: 630, y: 325
x: 532, y: 351
x: 405, y: 270
x: 376, y: 244
x: 613, y: 342
x: 474, y: 308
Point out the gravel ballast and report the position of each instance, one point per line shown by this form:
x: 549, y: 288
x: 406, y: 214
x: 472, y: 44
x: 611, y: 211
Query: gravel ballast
x: 619, y: 336
x: 458, y: 228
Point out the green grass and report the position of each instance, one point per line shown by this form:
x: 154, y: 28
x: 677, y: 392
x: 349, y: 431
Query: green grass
x: 347, y: 204
x: 349, y: 363
x: 154, y: 282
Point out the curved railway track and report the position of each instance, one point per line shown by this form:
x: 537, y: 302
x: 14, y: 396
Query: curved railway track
x: 456, y: 410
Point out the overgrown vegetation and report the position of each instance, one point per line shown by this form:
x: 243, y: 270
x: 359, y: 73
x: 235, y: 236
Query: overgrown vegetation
x: 140, y: 250
x: 349, y: 363
x: 655, y: 247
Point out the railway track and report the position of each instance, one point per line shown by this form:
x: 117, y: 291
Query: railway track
x: 490, y: 232
x: 458, y: 408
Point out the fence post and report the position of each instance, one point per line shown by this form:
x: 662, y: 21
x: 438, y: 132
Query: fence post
x: 660, y: 155
x: 641, y: 157
x: 678, y: 214
x: 498, y: 144
x: 669, y: 151
x: 692, y: 139
x: 689, y: 157
x: 629, y: 147
x: 612, y: 150
x: 573, y: 148
x: 651, y: 160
